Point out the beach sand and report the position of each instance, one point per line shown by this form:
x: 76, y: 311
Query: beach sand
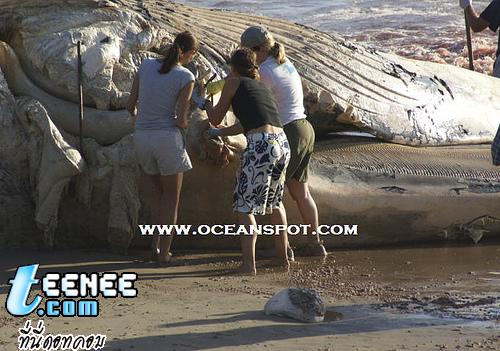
x: 196, y: 304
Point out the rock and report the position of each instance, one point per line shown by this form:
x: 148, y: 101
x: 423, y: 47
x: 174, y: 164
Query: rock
x: 302, y: 304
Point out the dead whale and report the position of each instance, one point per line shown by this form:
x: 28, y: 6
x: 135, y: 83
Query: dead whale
x: 347, y: 87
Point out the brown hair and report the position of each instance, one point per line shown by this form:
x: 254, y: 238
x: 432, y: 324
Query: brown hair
x: 275, y: 50
x: 244, y: 62
x: 183, y: 43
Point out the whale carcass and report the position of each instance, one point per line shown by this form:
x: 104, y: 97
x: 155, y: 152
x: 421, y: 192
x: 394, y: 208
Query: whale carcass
x: 393, y: 191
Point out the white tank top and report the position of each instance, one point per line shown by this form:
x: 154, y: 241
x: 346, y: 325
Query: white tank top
x: 286, y: 85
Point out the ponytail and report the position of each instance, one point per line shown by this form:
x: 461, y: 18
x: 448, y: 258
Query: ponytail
x: 253, y: 73
x: 277, y: 51
x: 183, y: 43
x: 172, y: 57
x: 244, y: 62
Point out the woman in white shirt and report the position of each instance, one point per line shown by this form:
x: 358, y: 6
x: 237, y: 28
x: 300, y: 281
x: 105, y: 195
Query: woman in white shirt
x: 280, y: 75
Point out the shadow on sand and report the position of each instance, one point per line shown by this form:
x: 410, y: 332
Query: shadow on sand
x: 193, y: 335
x: 102, y: 261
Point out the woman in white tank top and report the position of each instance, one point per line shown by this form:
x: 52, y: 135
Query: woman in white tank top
x: 280, y: 75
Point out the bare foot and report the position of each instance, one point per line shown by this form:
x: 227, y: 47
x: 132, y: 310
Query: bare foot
x: 245, y: 270
x: 279, y: 262
x: 164, y: 261
x: 155, y: 254
x: 314, y: 249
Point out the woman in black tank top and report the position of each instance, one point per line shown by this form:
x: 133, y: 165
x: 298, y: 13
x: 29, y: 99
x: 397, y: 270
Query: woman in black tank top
x: 254, y: 106
x: 261, y: 177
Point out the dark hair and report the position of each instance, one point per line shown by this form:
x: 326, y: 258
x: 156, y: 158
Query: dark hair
x: 183, y: 42
x: 244, y: 62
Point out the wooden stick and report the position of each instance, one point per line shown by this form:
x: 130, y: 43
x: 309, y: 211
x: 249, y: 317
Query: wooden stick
x: 80, y: 96
x: 469, y: 42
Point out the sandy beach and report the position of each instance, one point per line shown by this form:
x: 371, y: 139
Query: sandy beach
x: 391, y: 299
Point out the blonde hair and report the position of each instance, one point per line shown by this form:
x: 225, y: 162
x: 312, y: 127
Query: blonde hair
x: 276, y: 50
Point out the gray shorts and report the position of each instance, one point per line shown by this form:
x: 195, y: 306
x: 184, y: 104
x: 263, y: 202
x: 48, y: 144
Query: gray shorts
x: 161, y: 152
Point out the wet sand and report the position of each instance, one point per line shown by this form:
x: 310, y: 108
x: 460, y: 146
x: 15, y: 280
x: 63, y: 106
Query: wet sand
x: 424, y: 298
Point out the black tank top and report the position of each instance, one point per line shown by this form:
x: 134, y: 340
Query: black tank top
x: 254, y: 105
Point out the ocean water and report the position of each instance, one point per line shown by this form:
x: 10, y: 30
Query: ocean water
x: 432, y: 30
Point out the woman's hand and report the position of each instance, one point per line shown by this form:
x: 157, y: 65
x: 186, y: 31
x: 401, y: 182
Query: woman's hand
x: 213, y: 133
x: 208, y: 105
x: 132, y: 99
x: 235, y: 129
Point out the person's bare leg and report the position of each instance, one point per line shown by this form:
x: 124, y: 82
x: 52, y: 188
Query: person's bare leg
x: 278, y: 217
x: 155, y: 214
x: 171, y: 189
x: 308, y: 211
x: 247, y: 245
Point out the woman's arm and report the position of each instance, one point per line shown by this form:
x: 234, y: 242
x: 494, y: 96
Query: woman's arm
x: 216, y: 113
x: 132, y: 99
x: 235, y: 129
x: 183, y: 103
x: 477, y: 23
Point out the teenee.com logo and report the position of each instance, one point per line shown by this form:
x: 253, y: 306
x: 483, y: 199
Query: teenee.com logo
x: 67, y: 294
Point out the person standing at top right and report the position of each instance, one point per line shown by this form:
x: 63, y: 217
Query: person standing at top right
x: 279, y: 74
x: 489, y: 18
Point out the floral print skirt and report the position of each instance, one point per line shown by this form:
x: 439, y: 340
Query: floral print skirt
x: 260, y: 180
